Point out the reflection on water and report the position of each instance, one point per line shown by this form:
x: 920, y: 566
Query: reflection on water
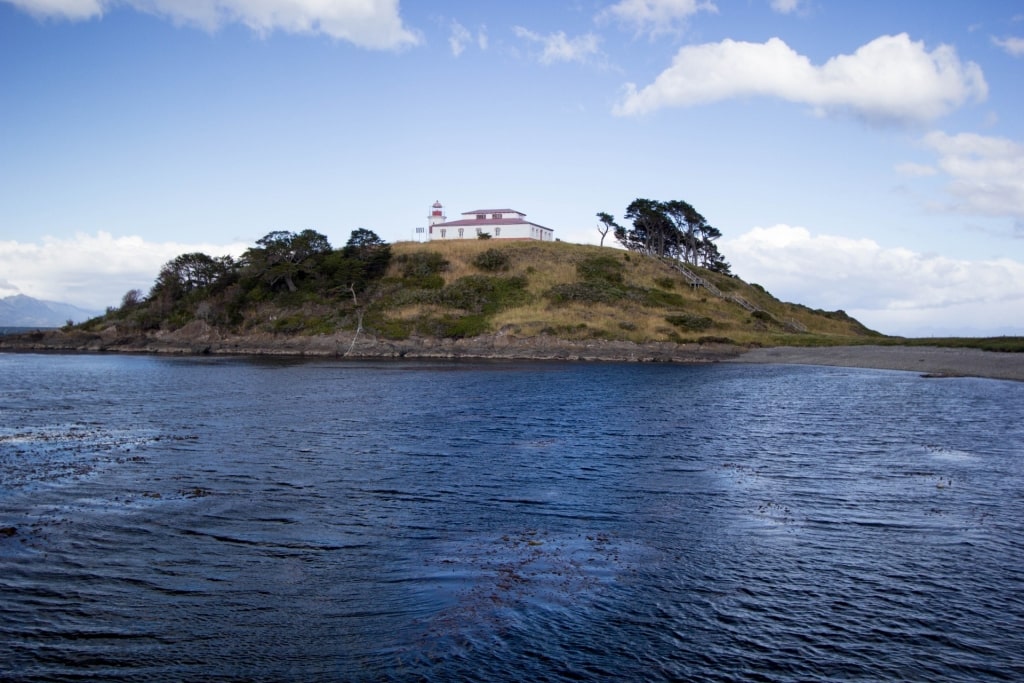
x: 196, y: 519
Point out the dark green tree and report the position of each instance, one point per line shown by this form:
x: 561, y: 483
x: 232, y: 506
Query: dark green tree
x: 188, y: 272
x: 364, y: 258
x: 672, y: 229
x: 283, y: 256
x: 652, y: 231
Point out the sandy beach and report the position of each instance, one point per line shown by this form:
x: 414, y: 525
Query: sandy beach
x: 927, y: 360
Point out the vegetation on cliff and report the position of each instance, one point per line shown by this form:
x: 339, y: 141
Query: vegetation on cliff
x: 298, y: 284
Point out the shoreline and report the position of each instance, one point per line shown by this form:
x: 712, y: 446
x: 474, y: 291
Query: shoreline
x: 197, y: 340
x: 930, y: 361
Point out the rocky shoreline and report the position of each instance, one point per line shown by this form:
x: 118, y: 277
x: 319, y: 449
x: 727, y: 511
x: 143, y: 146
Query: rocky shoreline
x: 200, y: 339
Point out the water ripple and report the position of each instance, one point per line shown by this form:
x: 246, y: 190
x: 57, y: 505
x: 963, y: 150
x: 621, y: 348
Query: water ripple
x: 193, y: 519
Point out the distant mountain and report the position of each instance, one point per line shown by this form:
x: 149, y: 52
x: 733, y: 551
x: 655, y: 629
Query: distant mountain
x: 24, y: 311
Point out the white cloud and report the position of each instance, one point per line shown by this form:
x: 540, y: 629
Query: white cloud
x: 91, y: 271
x: 786, y: 6
x: 1013, y: 45
x: 987, y: 173
x: 655, y: 16
x: 557, y: 47
x: 893, y: 290
x: 374, y: 24
x: 890, y: 79
x: 460, y: 35
x: 74, y: 10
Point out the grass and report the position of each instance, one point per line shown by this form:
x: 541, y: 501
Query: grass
x: 584, y: 291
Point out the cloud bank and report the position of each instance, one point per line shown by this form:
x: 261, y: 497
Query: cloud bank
x: 892, y: 79
x: 892, y: 290
x: 372, y: 24
x: 91, y: 271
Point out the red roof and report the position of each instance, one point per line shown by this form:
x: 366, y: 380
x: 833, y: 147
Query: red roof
x: 467, y: 222
x: 466, y: 213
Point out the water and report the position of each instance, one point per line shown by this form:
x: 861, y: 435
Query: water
x: 231, y: 519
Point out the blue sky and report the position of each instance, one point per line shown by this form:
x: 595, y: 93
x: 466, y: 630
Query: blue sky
x: 862, y: 156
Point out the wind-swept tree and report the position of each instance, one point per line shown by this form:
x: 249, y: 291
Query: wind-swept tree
x: 608, y: 224
x: 283, y: 256
x: 672, y: 229
x: 652, y: 231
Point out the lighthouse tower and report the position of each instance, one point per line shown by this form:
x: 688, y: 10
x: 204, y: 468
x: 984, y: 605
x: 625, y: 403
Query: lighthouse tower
x: 436, y: 216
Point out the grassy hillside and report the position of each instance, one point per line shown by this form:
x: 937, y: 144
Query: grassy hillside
x: 464, y: 288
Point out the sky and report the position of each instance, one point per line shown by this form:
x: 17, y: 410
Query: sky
x: 864, y: 156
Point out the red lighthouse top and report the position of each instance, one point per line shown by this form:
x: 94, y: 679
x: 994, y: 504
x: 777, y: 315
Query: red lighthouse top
x: 436, y: 209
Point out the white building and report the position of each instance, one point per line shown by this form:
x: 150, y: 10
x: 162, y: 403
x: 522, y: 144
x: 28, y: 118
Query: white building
x: 502, y: 224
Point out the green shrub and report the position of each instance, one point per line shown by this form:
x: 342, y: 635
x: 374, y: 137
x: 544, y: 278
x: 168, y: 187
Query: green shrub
x: 423, y: 269
x: 289, y: 324
x: 491, y: 260
x: 665, y: 282
x: 659, y: 298
x: 466, y: 326
x: 690, y: 321
x: 600, y: 269
x: 585, y: 292
x: 394, y: 329
x: 485, y: 294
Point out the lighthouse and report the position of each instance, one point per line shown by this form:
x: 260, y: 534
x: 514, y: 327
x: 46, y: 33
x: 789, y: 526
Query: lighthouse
x: 436, y: 216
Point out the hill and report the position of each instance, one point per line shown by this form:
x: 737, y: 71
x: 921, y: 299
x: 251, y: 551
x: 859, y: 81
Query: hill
x: 473, y: 298
x: 580, y: 292
x: 24, y: 311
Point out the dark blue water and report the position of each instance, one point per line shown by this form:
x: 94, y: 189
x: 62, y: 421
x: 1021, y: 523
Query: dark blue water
x: 226, y: 519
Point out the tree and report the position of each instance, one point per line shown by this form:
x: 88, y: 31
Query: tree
x: 608, y: 221
x: 652, y: 232
x: 362, y: 239
x: 672, y: 229
x: 364, y: 257
x: 690, y: 226
x: 131, y: 299
x: 188, y: 272
x: 285, y: 256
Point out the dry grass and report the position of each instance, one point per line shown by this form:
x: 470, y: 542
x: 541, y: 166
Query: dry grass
x: 635, y: 317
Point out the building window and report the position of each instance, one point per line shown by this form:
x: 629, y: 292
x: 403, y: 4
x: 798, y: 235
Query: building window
x: 479, y: 230
x: 497, y: 232
x: 481, y: 216
x: 461, y: 230
x: 496, y: 215
x: 443, y: 231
